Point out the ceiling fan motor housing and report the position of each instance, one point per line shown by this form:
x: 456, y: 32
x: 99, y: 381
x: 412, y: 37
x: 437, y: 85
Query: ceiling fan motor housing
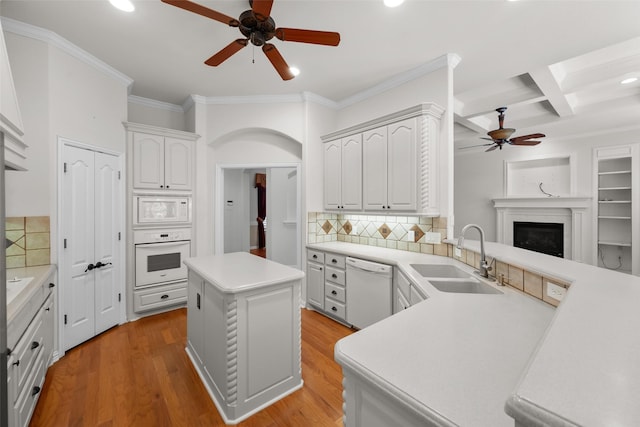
x: 258, y: 32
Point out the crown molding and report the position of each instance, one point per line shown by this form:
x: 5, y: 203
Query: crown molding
x: 53, y: 39
x: 147, y: 102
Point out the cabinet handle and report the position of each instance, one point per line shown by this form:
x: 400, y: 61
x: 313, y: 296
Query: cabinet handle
x: 35, y: 345
x: 16, y: 363
x: 315, y: 256
x: 334, y: 308
x: 384, y: 207
x: 52, y: 285
x: 334, y: 293
x: 167, y: 186
x: 335, y: 261
x: 47, y: 309
x: 165, y: 296
x: 162, y: 186
x: 388, y: 207
x: 35, y: 391
x: 334, y: 276
x: 198, y: 301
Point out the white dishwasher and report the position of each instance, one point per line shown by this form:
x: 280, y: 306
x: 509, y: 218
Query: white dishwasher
x: 369, y: 287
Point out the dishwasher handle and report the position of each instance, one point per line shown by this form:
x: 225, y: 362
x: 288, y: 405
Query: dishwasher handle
x: 369, y: 266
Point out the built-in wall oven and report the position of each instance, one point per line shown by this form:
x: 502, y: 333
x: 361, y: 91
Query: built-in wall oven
x: 159, y: 255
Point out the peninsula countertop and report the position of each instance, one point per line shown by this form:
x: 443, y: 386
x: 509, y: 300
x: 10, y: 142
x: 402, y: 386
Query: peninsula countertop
x: 578, y: 366
x: 240, y: 271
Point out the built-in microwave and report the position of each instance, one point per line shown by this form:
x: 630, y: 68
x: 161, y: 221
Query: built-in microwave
x: 149, y: 210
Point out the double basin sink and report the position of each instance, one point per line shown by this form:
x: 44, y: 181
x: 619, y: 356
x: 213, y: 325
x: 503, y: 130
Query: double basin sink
x: 449, y: 278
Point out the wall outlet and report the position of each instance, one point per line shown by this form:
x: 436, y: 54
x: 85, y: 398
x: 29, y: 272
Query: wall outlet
x: 411, y: 236
x: 457, y: 252
x: 433, y: 238
x: 555, y: 291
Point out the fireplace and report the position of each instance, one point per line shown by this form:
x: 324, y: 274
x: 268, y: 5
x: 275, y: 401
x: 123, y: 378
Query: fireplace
x: 544, y: 237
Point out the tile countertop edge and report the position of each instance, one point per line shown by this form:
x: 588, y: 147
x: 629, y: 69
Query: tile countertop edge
x: 402, y: 397
x: 39, y: 274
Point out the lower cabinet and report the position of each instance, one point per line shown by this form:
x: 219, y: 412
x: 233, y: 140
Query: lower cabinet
x: 326, y: 283
x: 405, y: 293
x: 31, y: 355
x: 155, y: 297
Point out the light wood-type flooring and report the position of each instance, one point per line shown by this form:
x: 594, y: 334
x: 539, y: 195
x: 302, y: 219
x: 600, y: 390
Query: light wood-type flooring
x: 138, y: 374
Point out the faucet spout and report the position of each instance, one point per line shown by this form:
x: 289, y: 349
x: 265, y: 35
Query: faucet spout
x: 484, y: 266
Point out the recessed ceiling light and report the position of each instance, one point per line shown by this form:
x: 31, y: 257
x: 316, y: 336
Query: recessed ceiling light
x: 294, y: 70
x: 124, y: 5
x: 393, y: 3
x: 629, y: 80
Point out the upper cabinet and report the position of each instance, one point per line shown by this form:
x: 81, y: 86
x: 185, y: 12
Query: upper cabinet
x: 10, y: 119
x: 397, y: 167
x: 343, y: 173
x: 162, y: 159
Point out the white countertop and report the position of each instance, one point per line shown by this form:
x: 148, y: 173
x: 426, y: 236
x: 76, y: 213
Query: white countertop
x: 241, y: 271
x: 39, y: 274
x: 583, y: 370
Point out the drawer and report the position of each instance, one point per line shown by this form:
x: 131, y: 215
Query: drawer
x: 337, y: 293
x: 159, y: 296
x: 334, y: 260
x: 334, y: 275
x: 315, y: 256
x: 26, y: 351
x: 29, y: 396
x: 335, y: 308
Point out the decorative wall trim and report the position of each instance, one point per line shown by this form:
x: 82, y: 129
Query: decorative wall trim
x: 53, y: 39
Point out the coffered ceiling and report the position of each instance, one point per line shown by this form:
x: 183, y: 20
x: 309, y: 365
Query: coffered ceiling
x: 556, y: 65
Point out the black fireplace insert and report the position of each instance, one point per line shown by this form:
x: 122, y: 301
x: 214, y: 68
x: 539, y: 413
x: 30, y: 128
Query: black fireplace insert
x: 544, y: 237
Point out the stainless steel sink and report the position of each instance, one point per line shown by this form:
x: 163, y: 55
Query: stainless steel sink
x: 440, y: 271
x: 469, y: 286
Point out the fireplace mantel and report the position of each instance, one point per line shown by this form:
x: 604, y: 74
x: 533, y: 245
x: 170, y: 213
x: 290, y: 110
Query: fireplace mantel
x: 573, y: 212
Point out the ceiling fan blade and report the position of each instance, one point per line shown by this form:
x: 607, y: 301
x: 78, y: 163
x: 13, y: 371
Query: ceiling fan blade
x: 204, y: 11
x: 475, y: 146
x: 523, y: 137
x: 261, y: 9
x: 491, y: 148
x: 226, y: 52
x: 326, y: 38
x: 488, y: 139
x: 277, y: 61
x: 529, y: 142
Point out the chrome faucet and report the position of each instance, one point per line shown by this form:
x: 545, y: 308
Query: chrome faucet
x: 484, y: 267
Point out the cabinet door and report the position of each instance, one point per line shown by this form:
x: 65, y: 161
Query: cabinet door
x: 332, y: 174
x: 415, y: 296
x: 402, y: 164
x: 195, y: 315
x: 178, y: 161
x: 374, y: 169
x: 315, y: 285
x: 352, y: 172
x: 148, y: 161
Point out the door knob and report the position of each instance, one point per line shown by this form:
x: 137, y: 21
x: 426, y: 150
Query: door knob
x: 90, y: 267
x: 101, y: 264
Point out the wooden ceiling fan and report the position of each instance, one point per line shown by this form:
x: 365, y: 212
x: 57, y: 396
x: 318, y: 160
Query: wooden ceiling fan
x: 257, y: 26
x: 501, y: 136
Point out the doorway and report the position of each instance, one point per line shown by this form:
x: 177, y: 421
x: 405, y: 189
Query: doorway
x: 237, y: 218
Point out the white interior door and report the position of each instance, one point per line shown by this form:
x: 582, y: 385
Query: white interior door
x: 282, y: 215
x: 91, y: 202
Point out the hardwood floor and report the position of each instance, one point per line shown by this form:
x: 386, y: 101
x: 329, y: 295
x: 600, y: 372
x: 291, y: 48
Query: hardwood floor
x: 138, y: 374
x: 259, y: 252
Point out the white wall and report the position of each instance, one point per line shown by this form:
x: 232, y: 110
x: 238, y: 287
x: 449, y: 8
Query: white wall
x: 166, y: 116
x: 479, y: 176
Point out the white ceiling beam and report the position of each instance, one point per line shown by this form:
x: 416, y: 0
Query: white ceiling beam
x: 550, y: 87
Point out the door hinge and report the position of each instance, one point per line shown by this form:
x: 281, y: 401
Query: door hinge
x: 65, y: 319
x: 65, y: 167
x: 119, y: 297
x: 119, y: 236
x: 65, y: 243
x: 118, y: 174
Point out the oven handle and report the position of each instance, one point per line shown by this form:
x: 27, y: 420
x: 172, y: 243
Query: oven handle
x: 165, y: 244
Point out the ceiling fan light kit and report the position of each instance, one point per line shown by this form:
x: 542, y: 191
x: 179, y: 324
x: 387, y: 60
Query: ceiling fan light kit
x: 502, y: 135
x: 257, y: 26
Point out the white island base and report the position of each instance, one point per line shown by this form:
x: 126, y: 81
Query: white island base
x: 243, y: 331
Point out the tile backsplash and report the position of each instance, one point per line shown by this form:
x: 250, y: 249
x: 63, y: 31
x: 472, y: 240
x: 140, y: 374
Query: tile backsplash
x: 378, y: 230
x: 28, y: 241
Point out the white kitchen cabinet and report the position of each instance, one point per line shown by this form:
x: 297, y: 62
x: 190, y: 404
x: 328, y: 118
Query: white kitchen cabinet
x: 162, y: 162
x: 405, y: 293
x: 403, y: 165
x: 335, y: 281
x: 315, y: 278
x: 343, y: 173
x: 11, y: 125
x: 389, y: 167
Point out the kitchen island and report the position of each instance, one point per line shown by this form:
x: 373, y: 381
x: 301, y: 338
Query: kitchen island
x: 243, y: 330
x: 476, y: 360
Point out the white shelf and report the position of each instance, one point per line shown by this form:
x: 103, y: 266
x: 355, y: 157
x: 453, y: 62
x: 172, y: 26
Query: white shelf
x: 614, y: 217
x: 614, y: 172
x: 614, y: 201
x: 613, y: 188
x: 606, y: 243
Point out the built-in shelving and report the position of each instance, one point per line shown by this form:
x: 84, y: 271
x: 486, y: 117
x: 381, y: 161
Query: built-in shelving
x: 616, y: 208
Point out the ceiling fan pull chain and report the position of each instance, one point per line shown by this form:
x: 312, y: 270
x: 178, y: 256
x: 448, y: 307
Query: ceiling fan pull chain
x: 253, y: 54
